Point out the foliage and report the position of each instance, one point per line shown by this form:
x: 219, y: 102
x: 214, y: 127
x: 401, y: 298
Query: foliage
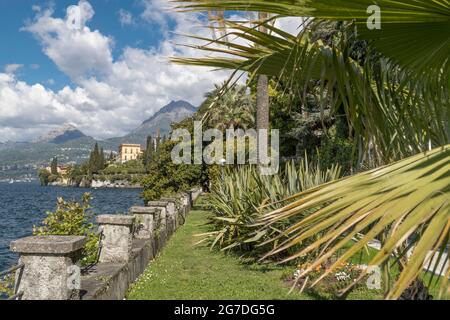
x: 394, y: 109
x: 166, y: 178
x: 405, y: 205
x: 336, y: 150
x: 241, y: 196
x: 96, y: 160
x: 72, y: 219
x: 395, y: 97
x: 54, y: 166
x: 44, y: 176
x: 7, y: 285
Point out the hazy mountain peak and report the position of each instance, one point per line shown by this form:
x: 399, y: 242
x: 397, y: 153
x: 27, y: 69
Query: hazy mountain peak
x: 65, y: 133
x: 180, y: 106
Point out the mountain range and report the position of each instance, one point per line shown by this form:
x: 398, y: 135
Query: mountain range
x: 71, y: 145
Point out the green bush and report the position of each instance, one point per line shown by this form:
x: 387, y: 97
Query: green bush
x: 44, y: 176
x: 72, y: 219
x: 167, y: 178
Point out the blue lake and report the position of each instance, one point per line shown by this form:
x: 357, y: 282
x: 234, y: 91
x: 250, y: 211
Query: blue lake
x: 23, y: 205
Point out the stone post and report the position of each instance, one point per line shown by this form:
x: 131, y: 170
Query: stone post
x: 161, y: 232
x: 145, y: 220
x: 174, y: 204
x: 117, y: 239
x: 169, y: 208
x: 50, y: 271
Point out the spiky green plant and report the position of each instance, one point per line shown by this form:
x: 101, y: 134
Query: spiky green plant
x: 242, y: 195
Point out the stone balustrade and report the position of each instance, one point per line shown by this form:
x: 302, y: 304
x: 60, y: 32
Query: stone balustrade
x: 128, y: 243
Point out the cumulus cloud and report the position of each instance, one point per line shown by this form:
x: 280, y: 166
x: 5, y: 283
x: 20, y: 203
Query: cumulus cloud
x: 70, y: 44
x: 108, y: 97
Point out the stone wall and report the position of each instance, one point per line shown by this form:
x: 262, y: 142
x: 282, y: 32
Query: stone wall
x: 128, y: 244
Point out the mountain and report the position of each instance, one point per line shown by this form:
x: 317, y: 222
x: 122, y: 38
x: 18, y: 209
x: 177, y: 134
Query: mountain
x: 174, y: 112
x: 62, y: 135
x: 71, y: 145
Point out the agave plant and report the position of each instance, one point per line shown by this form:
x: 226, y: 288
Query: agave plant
x: 397, y: 105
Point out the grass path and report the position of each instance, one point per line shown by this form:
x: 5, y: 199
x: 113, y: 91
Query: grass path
x: 188, y: 271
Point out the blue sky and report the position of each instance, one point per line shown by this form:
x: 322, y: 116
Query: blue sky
x: 22, y: 48
x: 105, y: 77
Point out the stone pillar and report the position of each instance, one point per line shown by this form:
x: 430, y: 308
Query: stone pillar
x: 174, y: 205
x: 117, y: 239
x: 145, y: 221
x: 169, y: 208
x: 50, y: 271
x: 161, y: 232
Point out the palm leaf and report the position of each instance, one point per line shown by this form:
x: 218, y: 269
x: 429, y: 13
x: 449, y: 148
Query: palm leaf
x: 408, y: 201
x: 414, y: 33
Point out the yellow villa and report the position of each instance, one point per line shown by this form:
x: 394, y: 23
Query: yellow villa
x: 129, y: 152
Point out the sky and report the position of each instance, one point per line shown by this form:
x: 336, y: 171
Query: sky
x: 101, y: 65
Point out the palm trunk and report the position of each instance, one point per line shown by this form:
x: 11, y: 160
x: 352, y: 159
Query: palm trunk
x: 262, y: 99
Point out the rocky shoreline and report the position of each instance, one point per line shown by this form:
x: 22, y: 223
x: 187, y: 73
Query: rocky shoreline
x: 97, y: 184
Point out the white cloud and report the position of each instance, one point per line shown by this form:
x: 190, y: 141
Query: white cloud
x: 109, y: 97
x: 76, y: 51
x: 13, y: 68
x: 126, y: 18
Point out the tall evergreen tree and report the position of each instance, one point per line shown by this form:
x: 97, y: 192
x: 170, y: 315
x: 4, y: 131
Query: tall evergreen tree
x: 54, y: 166
x: 94, y: 160
x: 102, y: 161
x: 149, y: 151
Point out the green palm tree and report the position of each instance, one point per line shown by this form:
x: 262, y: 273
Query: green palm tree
x: 397, y: 102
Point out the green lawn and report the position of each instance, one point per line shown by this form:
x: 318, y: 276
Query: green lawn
x: 189, y: 271
x: 185, y: 270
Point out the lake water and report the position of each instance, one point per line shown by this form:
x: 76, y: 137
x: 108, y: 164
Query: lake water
x: 23, y: 205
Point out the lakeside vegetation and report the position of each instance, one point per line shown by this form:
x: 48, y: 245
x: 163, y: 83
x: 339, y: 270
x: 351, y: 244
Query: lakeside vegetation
x: 371, y: 104
x: 365, y: 156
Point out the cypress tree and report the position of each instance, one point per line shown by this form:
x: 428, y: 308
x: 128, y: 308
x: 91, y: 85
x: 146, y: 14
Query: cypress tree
x: 54, y: 166
x: 101, y: 160
x: 148, y: 155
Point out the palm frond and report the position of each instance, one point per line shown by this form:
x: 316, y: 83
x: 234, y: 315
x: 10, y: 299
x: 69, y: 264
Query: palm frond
x: 414, y: 33
x: 406, y: 203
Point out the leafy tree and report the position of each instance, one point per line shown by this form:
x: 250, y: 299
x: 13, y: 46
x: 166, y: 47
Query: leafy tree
x: 44, y: 176
x: 167, y: 178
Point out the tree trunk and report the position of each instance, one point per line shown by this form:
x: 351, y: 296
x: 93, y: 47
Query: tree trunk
x: 262, y: 98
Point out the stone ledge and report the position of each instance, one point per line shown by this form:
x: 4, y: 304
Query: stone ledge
x: 171, y: 200
x: 48, y: 244
x: 157, y: 204
x: 143, y: 210
x: 117, y: 220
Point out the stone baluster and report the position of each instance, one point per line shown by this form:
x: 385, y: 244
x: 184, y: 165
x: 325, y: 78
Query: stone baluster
x: 50, y: 271
x: 117, y: 239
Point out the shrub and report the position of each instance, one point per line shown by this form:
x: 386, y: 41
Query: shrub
x: 240, y: 196
x: 167, y: 178
x: 72, y: 219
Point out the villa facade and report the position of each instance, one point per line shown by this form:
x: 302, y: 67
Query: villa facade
x: 129, y: 152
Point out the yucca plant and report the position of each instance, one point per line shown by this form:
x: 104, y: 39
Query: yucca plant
x: 397, y: 105
x: 242, y: 195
